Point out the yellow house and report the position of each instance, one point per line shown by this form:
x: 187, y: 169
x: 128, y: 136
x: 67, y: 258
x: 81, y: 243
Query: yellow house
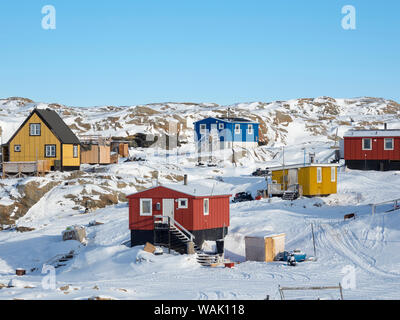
x: 44, y: 136
x: 313, y: 179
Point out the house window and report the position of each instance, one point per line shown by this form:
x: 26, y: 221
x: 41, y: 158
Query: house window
x: 388, y: 144
x: 319, y: 175
x: 182, y: 203
x: 34, y: 129
x: 237, y: 128
x: 50, y: 150
x: 366, y: 144
x: 75, y: 151
x: 220, y: 125
x: 250, y: 129
x: 206, y: 207
x: 333, y: 174
x: 17, y: 148
x: 146, y: 206
x: 203, y: 128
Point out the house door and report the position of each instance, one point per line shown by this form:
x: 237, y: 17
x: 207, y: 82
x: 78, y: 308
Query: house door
x: 292, y: 179
x: 168, y: 209
x: 222, y: 143
x: 6, y: 154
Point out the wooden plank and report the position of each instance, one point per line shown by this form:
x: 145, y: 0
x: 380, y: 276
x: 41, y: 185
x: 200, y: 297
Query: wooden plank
x: 149, y: 247
x: 310, y: 288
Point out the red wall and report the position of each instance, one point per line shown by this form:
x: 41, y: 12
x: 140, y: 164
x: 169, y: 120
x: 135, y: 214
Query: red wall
x: 353, y: 149
x: 218, y: 213
x: 191, y: 218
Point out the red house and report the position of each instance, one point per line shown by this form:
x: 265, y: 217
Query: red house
x: 372, y: 149
x: 196, y: 212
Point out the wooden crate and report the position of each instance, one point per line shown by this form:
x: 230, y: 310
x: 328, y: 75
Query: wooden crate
x: 96, y: 154
x: 43, y: 166
x: 123, y: 150
x: 264, y: 248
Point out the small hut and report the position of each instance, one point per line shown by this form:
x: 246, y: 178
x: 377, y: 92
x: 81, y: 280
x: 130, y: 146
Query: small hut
x: 95, y: 150
x: 310, y: 179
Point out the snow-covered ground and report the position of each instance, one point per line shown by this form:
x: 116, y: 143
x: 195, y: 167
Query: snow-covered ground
x: 107, y: 268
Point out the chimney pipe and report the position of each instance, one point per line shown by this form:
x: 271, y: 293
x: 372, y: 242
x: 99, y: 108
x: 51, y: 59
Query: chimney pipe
x: 185, y: 180
x: 385, y: 126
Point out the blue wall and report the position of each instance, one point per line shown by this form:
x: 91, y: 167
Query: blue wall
x: 228, y: 132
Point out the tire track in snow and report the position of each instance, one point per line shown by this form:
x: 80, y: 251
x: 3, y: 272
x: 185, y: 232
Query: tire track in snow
x: 344, y: 244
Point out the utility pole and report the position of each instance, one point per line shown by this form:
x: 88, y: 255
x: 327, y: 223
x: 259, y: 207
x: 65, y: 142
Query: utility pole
x: 313, y: 238
x: 283, y: 166
x: 336, y: 136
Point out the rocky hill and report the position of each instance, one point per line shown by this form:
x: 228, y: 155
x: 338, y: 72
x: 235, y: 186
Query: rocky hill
x: 281, y: 122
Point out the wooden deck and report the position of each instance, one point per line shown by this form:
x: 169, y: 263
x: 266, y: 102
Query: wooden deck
x: 22, y: 168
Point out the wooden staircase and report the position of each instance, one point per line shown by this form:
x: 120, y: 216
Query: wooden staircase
x: 290, y: 195
x: 172, y: 235
x: 292, y: 192
x: 207, y: 258
x: 175, y: 237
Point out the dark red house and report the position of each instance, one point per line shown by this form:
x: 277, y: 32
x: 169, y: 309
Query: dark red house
x: 201, y: 211
x: 372, y: 149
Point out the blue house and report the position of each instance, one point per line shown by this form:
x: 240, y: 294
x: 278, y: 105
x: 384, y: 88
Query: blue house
x: 227, y: 131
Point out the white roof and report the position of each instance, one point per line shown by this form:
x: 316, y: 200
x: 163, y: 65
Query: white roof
x: 196, y: 190
x: 263, y: 235
x: 295, y: 166
x: 373, y: 133
x: 231, y: 120
x: 193, y: 190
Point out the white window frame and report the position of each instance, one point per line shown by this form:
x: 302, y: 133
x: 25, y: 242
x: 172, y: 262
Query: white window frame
x: 50, y: 150
x: 384, y: 144
x: 17, y: 146
x: 250, y: 129
x: 206, y: 200
x: 75, y: 151
x: 183, y: 206
x: 35, y: 129
x: 333, y: 174
x: 146, y: 214
x: 237, y: 128
x: 203, y: 128
x: 221, y: 126
x: 370, y: 143
x: 319, y: 174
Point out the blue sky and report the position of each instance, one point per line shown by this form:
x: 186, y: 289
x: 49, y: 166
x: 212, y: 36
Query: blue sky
x: 142, y: 51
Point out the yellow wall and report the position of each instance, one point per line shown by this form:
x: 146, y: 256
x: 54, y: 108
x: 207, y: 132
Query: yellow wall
x: 278, y: 175
x: 326, y: 186
x: 32, y: 147
x: 68, y: 156
x: 307, y: 178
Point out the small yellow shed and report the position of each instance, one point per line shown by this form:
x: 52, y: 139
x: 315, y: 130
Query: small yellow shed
x: 313, y: 179
x: 264, y: 248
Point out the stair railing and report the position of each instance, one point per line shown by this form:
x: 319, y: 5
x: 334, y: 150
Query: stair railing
x: 172, y: 221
